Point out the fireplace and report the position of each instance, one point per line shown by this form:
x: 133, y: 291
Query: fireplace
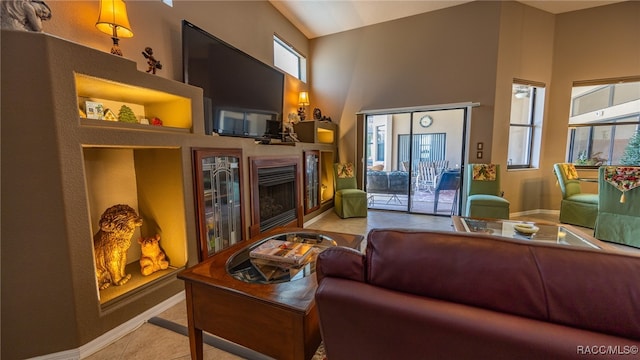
x: 275, y: 193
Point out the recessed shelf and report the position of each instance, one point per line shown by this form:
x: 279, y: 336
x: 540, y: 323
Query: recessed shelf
x: 150, y: 181
x: 173, y: 110
x: 314, y: 131
x: 325, y: 136
x: 123, y: 125
x: 137, y: 282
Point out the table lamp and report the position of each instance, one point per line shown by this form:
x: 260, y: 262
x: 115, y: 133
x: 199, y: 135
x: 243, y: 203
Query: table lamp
x: 303, y: 100
x: 113, y: 21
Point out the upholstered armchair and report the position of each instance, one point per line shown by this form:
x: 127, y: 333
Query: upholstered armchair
x: 576, y: 208
x: 618, y: 218
x: 484, y: 196
x: 349, y: 201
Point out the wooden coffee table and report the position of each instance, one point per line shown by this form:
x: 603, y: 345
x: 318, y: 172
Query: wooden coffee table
x: 279, y: 320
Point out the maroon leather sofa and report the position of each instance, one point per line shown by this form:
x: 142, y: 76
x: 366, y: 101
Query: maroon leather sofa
x: 446, y: 295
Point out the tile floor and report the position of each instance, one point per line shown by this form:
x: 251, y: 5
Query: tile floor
x: 154, y: 342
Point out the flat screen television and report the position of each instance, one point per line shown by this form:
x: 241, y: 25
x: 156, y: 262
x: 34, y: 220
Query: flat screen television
x: 242, y: 95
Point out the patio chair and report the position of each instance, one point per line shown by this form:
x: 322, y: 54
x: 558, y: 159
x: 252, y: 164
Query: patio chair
x: 427, y: 177
x: 449, y: 180
x: 576, y: 207
x: 484, y: 196
x: 349, y: 201
x: 440, y: 166
x: 618, y: 218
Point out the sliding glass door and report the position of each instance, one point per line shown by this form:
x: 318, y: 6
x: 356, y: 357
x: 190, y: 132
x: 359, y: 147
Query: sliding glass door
x: 413, y: 160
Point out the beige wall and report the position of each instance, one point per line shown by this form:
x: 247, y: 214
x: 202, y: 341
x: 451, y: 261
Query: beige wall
x: 446, y: 56
x: 472, y: 52
x: 597, y: 43
x: 526, y: 52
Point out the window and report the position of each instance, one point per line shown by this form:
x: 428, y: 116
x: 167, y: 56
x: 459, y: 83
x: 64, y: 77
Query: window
x: 601, y: 144
x: 381, y: 133
x: 287, y: 59
x: 426, y: 147
x: 527, y: 108
x: 604, y: 116
x: 370, y: 141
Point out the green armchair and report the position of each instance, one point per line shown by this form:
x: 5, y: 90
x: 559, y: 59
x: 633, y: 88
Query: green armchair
x: 484, y: 196
x: 349, y: 201
x: 576, y: 207
x: 618, y: 217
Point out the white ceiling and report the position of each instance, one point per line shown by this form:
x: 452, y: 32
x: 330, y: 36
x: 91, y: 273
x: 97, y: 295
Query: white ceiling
x: 323, y: 17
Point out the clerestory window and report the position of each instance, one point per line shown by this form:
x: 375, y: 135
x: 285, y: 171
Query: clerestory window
x: 287, y: 59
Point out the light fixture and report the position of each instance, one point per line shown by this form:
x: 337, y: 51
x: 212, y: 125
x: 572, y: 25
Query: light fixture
x: 113, y: 21
x: 303, y: 100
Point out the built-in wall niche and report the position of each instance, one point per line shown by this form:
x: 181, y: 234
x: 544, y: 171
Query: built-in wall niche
x: 327, y: 158
x: 315, y: 131
x: 150, y: 181
x: 96, y: 96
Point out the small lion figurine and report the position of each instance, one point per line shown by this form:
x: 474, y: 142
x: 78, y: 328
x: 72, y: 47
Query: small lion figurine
x: 152, y: 258
x: 111, y: 242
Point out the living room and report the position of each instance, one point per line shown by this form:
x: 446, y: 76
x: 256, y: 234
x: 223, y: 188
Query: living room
x: 467, y: 53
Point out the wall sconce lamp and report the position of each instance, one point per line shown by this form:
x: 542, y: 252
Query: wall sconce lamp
x: 113, y: 21
x: 303, y: 100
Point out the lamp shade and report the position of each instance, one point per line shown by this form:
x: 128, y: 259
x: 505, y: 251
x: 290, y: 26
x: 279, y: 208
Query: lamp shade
x: 113, y: 19
x: 303, y: 99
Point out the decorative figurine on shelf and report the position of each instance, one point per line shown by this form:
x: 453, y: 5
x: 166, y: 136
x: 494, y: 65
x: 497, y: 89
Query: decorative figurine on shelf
x: 293, y: 118
x: 111, y: 242
x: 99, y: 112
x: 317, y: 115
x: 109, y: 115
x: 301, y: 114
x: 26, y: 15
x: 289, y: 131
x: 151, y: 61
x: 126, y: 115
x: 153, y: 257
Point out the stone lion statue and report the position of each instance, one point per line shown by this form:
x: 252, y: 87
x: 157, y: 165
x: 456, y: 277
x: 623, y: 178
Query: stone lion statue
x: 26, y: 15
x: 111, y: 242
